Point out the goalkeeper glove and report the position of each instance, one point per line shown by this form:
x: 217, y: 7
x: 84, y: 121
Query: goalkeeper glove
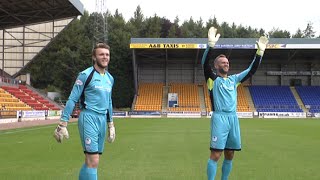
x: 213, y: 37
x: 262, y: 44
x: 111, y: 132
x: 61, y: 132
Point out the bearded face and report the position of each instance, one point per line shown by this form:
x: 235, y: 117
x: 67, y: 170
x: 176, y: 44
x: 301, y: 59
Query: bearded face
x: 102, y: 57
x: 222, y: 65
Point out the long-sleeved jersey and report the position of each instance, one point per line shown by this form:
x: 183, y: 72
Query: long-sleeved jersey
x: 223, y: 91
x: 97, y: 94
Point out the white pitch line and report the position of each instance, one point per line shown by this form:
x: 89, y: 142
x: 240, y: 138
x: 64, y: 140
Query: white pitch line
x: 13, y: 131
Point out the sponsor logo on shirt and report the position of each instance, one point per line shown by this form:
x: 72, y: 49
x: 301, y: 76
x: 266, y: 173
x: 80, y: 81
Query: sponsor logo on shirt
x: 79, y: 82
x: 231, y: 88
x: 108, y: 89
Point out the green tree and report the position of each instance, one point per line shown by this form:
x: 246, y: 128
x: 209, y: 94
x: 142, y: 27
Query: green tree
x: 191, y: 29
x: 137, y: 22
x: 121, y: 62
x: 165, y: 27
x: 212, y: 22
x: 175, y: 30
x: 242, y: 32
x: 309, y: 32
x: 277, y: 33
x: 199, y: 30
x: 226, y: 30
x: 298, y: 34
x: 152, y: 27
x: 262, y: 32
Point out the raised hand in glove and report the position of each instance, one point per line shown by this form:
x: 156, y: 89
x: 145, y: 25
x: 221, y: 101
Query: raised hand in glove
x: 213, y: 37
x: 262, y: 44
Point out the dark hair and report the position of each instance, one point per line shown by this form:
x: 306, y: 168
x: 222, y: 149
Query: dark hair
x: 99, y: 45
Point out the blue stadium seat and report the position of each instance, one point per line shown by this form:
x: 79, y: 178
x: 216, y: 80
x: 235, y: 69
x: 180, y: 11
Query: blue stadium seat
x: 274, y: 99
x: 310, y: 96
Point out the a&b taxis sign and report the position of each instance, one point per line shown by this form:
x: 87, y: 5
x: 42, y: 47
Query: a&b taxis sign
x: 166, y: 46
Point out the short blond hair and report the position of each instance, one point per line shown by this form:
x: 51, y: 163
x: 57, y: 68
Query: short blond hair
x: 218, y: 57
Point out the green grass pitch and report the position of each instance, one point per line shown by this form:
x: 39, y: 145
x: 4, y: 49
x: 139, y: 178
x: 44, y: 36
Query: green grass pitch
x: 167, y: 149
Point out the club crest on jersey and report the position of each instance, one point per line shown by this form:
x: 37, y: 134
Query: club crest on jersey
x: 214, y: 138
x: 88, y: 148
x: 79, y: 82
x: 88, y: 141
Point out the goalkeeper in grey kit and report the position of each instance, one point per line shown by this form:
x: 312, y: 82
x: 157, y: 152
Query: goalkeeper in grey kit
x: 93, y: 88
x: 225, y: 129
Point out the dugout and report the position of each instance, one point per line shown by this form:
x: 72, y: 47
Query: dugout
x: 287, y: 62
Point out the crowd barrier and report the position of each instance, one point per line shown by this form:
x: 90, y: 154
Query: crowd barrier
x: 120, y: 114
x: 183, y: 114
x: 146, y: 114
x: 282, y: 115
x: 20, y: 116
x: 240, y: 114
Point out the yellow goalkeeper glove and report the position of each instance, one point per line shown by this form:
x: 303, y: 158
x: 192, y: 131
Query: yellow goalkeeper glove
x: 262, y: 44
x: 213, y: 37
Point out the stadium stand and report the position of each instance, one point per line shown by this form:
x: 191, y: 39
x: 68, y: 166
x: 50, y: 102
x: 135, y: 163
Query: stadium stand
x: 26, y: 28
x: 243, y: 105
x: 30, y: 98
x: 156, y: 60
x: 274, y: 99
x: 10, y: 105
x: 150, y: 97
x: 310, y: 96
x: 207, y: 99
x: 29, y: 26
x: 35, y: 95
x: 265, y: 98
x: 188, y: 97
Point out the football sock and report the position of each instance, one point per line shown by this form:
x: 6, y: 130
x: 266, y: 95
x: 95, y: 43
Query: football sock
x: 211, y: 169
x: 88, y: 173
x: 226, y: 169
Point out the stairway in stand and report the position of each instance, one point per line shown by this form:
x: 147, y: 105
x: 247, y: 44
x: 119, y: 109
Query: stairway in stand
x: 201, y: 98
x: 298, y: 99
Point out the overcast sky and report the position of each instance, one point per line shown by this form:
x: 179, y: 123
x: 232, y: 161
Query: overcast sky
x: 285, y: 15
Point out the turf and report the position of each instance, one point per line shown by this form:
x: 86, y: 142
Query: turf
x: 166, y: 149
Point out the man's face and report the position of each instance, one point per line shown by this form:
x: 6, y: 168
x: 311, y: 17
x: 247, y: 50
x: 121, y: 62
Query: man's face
x: 102, y: 57
x: 222, y: 65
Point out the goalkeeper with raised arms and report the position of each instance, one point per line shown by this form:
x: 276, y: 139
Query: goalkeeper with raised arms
x: 93, y: 88
x: 225, y: 130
